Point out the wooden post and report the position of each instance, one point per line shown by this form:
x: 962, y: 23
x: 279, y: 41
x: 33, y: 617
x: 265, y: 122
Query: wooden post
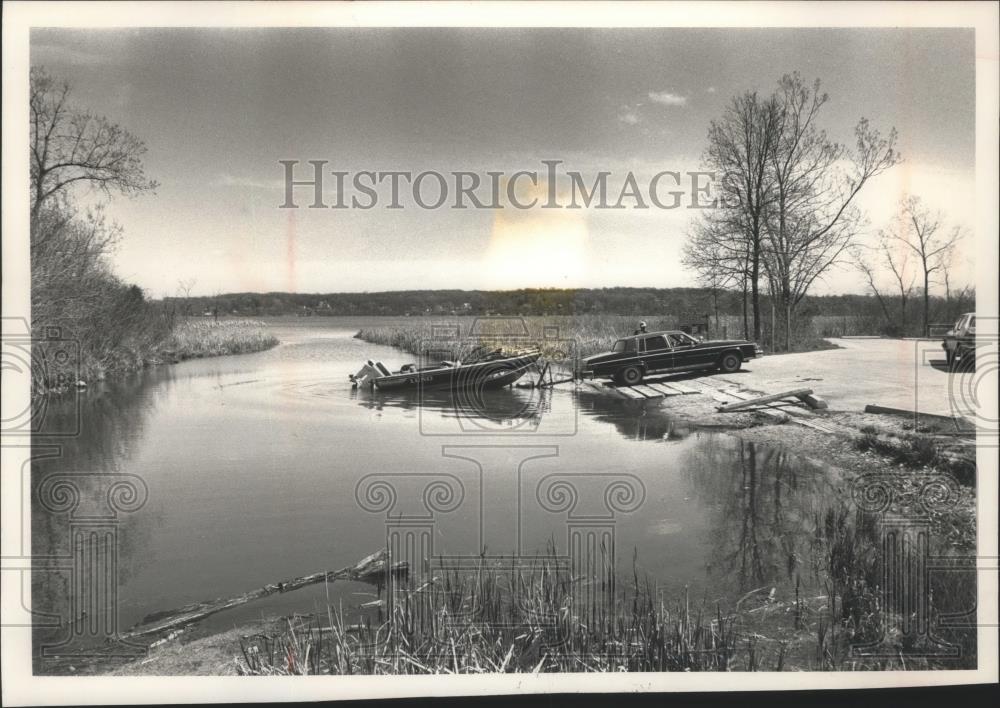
x: 541, y: 378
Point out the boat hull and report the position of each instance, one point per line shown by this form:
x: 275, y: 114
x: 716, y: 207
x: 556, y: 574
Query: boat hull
x: 485, y: 375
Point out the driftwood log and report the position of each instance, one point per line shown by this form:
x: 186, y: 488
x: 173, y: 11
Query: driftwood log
x: 761, y: 400
x: 371, y: 569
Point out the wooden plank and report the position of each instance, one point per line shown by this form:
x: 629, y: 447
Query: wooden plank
x: 719, y: 396
x: 790, y: 407
x: 760, y: 400
x: 871, y: 408
x: 682, y: 387
x: 629, y: 393
x: 960, y: 422
x: 794, y: 414
x: 783, y: 404
x: 730, y: 397
x: 665, y: 390
x: 797, y: 415
x: 648, y: 391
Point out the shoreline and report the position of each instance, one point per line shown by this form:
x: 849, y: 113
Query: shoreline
x: 192, y: 338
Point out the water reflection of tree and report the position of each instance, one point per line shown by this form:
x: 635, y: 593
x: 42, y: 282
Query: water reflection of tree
x: 110, y: 420
x: 765, y: 503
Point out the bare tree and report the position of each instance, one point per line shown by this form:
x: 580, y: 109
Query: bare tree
x: 810, y: 219
x: 886, y: 257
x: 70, y: 146
x: 739, y: 145
x: 184, y: 286
x: 718, y: 251
x: 72, y: 282
x: 918, y: 230
x: 867, y: 268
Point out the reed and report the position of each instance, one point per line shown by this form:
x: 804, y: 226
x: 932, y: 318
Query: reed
x: 503, y: 619
x: 558, y: 337
x: 533, y: 617
x: 198, y: 338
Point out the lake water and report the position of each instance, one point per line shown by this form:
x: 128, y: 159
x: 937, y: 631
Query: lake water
x: 252, y: 469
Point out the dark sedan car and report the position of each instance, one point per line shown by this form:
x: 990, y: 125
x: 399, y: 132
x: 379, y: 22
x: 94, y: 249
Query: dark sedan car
x: 634, y: 357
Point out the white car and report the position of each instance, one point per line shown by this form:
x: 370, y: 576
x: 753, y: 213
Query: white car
x: 960, y: 340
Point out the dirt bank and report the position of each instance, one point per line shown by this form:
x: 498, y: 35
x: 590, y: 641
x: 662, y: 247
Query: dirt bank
x: 858, y: 443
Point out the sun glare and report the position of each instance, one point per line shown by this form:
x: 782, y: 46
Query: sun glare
x: 537, y: 248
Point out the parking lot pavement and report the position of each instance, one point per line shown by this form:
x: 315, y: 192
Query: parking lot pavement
x: 907, y: 374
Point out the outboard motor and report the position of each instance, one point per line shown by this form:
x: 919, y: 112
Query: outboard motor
x: 366, y: 376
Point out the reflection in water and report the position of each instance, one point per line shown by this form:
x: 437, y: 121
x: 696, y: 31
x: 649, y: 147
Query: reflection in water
x: 765, y: 510
x: 251, y: 464
x: 510, y: 407
x: 83, y: 503
x: 632, y: 421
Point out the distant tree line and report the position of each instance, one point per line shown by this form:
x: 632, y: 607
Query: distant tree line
x: 693, y: 304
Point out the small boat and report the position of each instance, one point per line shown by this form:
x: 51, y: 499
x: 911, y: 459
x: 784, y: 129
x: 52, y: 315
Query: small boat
x: 493, y: 370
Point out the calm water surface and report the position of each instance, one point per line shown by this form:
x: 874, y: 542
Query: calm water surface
x: 268, y: 466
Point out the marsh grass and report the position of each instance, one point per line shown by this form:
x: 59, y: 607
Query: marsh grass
x: 560, y: 338
x: 536, y: 617
x: 200, y: 338
x: 496, y: 619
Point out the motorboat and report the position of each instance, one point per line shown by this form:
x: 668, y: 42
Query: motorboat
x: 495, y: 369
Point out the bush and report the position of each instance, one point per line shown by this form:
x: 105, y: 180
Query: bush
x: 111, y: 326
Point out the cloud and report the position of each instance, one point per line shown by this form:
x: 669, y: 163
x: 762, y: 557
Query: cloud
x: 629, y: 118
x: 667, y: 99
x: 710, y: 89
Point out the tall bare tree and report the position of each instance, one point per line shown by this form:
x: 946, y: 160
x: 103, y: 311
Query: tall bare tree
x: 739, y: 145
x: 920, y: 231
x: 71, y: 146
x: 810, y: 219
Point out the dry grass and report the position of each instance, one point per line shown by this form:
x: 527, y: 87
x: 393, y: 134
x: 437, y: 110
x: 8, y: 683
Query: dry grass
x: 558, y: 337
x: 496, y: 619
x: 580, y: 335
x: 534, y: 617
x: 200, y: 338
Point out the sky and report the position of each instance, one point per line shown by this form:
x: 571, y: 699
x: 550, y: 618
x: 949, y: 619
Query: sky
x: 218, y: 110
